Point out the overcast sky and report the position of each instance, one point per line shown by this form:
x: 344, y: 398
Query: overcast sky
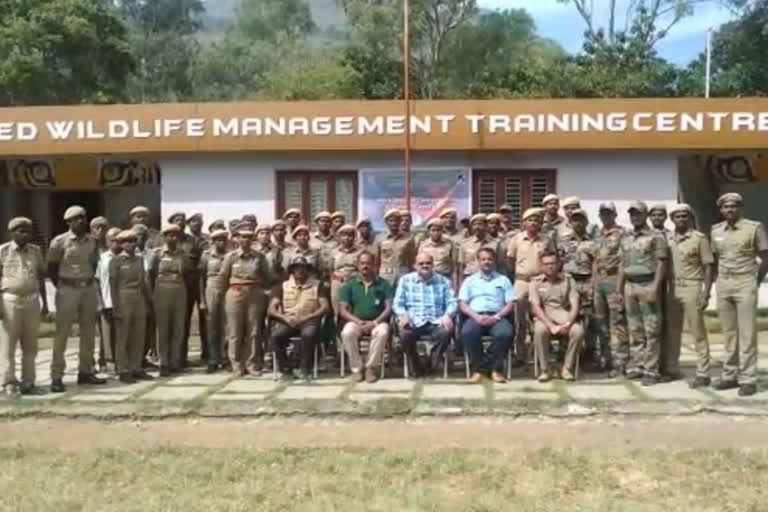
x: 560, y: 21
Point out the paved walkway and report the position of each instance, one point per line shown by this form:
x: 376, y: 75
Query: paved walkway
x: 220, y: 394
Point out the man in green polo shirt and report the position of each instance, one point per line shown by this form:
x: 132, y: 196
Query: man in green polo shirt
x: 366, y: 303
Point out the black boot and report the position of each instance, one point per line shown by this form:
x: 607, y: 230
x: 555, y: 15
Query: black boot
x: 57, y: 386
x: 90, y: 378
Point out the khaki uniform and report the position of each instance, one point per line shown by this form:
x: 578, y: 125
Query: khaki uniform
x: 194, y: 245
x: 343, y: 267
x: 397, y: 256
x: 736, y: 248
x: 523, y: 254
x: 210, y: 265
x: 640, y: 252
x: 371, y: 246
x: 555, y: 299
x: 76, y: 298
x: 552, y: 226
x: 21, y: 271
x: 690, y: 254
x: 129, y: 307
x: 456, y: 237
x: 169, y: 271
x: 610, y: 314
x: 326, y: 245
x: 244, y: 276
x: 311, y: 254
x: 467, y: 253
x: 444, y: 254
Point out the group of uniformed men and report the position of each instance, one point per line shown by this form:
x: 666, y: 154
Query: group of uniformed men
x: 623, y: 293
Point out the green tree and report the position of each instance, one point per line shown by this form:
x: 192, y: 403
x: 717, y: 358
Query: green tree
x: 739, y: 58
x: 164, y: 43
x: 62, y: 51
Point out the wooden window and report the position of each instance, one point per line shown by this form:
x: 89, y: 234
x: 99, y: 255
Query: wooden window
x: 315, y: 191
x: 519, y: 189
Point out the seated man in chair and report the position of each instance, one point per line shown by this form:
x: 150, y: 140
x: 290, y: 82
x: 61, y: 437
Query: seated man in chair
x: 365, y: 305
x: 487, y: 298
x: 425, y: 305
x: 555, y: 304
x: 297, y: 306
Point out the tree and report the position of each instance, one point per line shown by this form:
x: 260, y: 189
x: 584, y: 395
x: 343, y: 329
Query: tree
x: 62, y: 51
x: 164, y: 42
x: 267, y: 20
x: 739, y: 58
x: 653, y: 18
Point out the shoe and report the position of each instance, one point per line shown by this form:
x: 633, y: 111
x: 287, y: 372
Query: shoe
x: 476, y: 378
x: 651, y: 380
x: 634, y: 374
x: 700, y: 382
x: 29, y: 389
x: 12, y: 390
x: 57, y: 386
x: 90, y: 378
x: 211, y: 368
x: 371, y: 375
x: 722, y: 385
x: 747, y: 389
x: 566, y: 374
x: 149, y: 365
x: 127, y: 378
x: 254, y: 372
x: 358, y: 376
x: 142, y: 375
x: 543, y: 377
x: 165, y: 371
x: 498, y: 377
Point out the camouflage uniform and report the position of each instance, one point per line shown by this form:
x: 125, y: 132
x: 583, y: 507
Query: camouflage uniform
x: 640, y: 252
x: 578, y: 255
x: 610, y: 314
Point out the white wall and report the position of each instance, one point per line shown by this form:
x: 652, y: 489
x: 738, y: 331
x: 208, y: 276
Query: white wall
x: 230, y: 185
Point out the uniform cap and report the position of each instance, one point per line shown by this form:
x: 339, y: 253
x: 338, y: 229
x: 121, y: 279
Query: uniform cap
x: 220, y: 233
x: 99, y: 221
x: 607, y: 206
x: 447, y: 211
x: 392, y: 212
x: 435, y: 221
x: 74, y: 211
x: 139, y: 209
x: 18, y: 222
x: 170, y: 228
x: 494, y: 216
x: 264, y: 227
x: 298, y: 260
x: 658, y: 206
x: 571, y: 201
x: 249, y: 217
x: 730, y: 197
x: 278, y: 222
x: 338, y: 214
x: 126, y: 234
x: 530, y: 212
x: 300, y: 227
x: 292, y: 211
x: 321, y: 215
x: 505, y: 208
x: 113, y: 232
x: 217, y: 222
x: 198, y: 216
x: 550, y: 197
x: 581, y: 212
x: 361, y: 221
x: 346, y: 227
x: 680, y: 207
x: 639, y: 206
x: 177, y: 214
x: 478, y: 216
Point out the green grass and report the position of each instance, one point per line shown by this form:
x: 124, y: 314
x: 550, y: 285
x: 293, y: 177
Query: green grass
x: 378, y: 480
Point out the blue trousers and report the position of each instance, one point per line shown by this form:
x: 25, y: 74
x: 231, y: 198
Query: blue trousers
x: 501, y: 333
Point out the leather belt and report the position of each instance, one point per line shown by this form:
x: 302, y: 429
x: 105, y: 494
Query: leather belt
x: 76, y: 283
x: 609, y: 272
x: 581, y: 277
x: 241, y: 286
x: 643, y: 278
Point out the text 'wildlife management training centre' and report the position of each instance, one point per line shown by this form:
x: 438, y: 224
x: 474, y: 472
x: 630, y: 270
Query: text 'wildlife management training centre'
x: 227, y: 159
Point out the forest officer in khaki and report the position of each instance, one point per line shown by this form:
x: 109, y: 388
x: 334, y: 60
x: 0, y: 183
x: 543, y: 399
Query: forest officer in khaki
x: 689, y: 284
x: 22, y: 280
x: 212, y: 297
x: 398, y: 251
x: 441, y: 249
x: 72, y: 260
x: 737, y: 244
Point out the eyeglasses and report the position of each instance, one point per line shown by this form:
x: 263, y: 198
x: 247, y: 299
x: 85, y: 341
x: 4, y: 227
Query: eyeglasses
x: 424, y: 263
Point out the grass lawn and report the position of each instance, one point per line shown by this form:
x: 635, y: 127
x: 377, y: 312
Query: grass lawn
x: 194, y: 480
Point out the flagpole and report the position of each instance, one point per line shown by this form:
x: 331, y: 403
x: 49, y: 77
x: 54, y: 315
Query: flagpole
x: 708, y: 63
x: 407, y: 100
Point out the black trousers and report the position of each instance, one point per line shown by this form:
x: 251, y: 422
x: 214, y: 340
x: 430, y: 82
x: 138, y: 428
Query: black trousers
x: 281, y: 336
x: 440, y: 338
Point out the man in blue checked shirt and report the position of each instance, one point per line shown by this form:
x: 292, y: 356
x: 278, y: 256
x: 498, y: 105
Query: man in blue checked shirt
x: 487, y: 299
x: 425, y: 305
